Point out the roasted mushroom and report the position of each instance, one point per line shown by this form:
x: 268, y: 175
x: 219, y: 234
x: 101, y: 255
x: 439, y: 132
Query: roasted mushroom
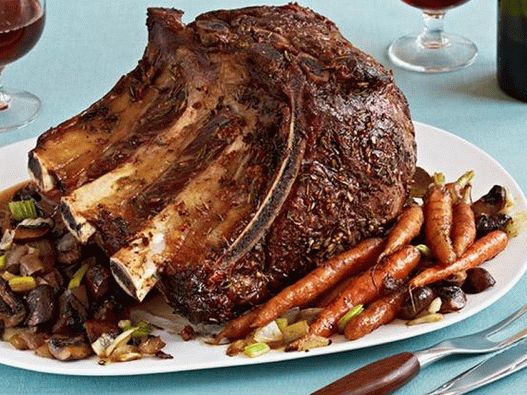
x: 72, y: 314
x: 31, y: 264
x: 420, y: 183
x: 68, y: 249
x: 478, y: 280
x: 98, y: 280
x: 13, y: 256
x: 416, y: 301
x: 41, y: 305
x: 491, y: 203
x: 452, y: 297
x: 95, y: 328
x: 32, y: 229
x: 54, y: 279
x: 69, y: 348
x: 12, y: 310
x: 488, y: 223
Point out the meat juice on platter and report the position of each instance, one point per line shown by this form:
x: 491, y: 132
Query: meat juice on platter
x: 435, y: 4
x: 21, y: 24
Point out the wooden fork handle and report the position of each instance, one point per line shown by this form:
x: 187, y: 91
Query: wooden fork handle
x: 377, y: 378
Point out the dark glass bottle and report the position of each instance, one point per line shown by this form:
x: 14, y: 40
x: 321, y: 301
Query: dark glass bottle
x: 512, y: 47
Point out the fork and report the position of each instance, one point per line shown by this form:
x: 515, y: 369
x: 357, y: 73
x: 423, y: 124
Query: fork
x: 393, y: 372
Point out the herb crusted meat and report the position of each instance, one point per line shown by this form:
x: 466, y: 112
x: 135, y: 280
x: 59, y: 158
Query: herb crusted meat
x: 246, y: 147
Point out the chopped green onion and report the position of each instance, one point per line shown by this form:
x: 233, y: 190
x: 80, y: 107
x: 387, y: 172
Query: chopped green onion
x: 2, y: 262
x: 24, y: 209
x: 424, y: 250
x: 282, y: 323
x: 295, y: 331
x: 142, y: 329
x: 439, y: 179
x: 256, y: 349
x: 78, y: 276
x: 353, y: 312
x: 22, y: 284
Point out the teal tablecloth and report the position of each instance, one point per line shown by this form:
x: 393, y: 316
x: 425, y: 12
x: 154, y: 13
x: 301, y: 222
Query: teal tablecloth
x: 88, y: 44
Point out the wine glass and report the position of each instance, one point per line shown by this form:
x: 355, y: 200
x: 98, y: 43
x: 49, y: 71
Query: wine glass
x: 21, y: 25
x: 433, y: 50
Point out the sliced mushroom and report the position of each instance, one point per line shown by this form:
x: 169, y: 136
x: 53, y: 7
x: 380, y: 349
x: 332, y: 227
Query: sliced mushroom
x: 151, y: 345
x: 54, y: 279
x: 72, y: 314
x: 31, y: 229
x: 13, y: 256
x: 69, y: 348
x: 81, y: 295
x: 41, y: 305
x: 31, y: 264
x: 12, y: 310
x: 45, y: 251
x: 95, y: 328
x: 68, y: 249
x: 98, y: 280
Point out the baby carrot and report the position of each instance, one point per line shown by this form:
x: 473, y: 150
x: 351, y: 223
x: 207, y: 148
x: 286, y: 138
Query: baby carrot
x: 482, y: 250
x: 438, y: 224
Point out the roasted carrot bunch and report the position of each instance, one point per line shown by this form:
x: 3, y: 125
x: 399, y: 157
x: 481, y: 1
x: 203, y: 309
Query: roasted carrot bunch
x: 423, y: 268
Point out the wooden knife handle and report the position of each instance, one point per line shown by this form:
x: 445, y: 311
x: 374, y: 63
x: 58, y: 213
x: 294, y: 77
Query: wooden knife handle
x: 377, y: 378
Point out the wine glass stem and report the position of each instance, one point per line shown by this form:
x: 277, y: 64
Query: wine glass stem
x: 4, y: 98
x: 433, y: 36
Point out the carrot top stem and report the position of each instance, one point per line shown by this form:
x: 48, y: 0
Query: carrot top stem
x: 439, y: 179
x: 465, y: 179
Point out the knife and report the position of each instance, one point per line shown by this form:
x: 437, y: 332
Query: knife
x: 494, y: 368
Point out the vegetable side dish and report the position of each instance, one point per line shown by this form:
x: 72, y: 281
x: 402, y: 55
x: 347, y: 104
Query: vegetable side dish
x: 424, y: 267
x: 58, y: 298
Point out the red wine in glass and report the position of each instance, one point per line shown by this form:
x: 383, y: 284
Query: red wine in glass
x: 432, y: 50
x: 21, y: 25
x: 435, y: 4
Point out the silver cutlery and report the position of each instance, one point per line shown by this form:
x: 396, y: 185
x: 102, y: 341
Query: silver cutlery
x: 494, y: 368
x: 393, y: 372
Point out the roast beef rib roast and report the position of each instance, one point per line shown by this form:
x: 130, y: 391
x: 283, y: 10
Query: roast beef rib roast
x: 244, y: 149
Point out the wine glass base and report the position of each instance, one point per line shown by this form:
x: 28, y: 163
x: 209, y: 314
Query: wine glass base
x: 454, y: 53
x: 22, y: 109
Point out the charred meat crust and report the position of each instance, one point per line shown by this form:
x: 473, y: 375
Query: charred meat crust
x: 314, y: 152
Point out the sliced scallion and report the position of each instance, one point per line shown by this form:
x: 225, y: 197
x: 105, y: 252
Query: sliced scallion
x: 256, y: 349
x: 2, y: 262
x: 22, y: 283
x: 78, y: 276
x: 142, y: 329
x: 295, y: 331
x: 23, y: 209
x: 353, y: 312
x: 282, y: 323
